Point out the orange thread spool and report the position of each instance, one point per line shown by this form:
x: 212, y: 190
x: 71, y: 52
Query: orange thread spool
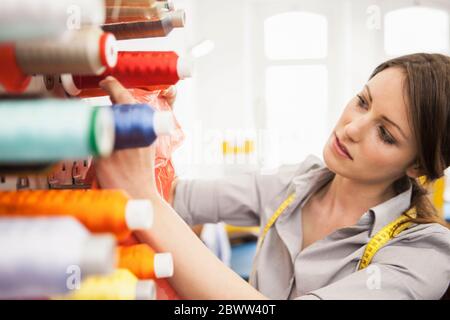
x: 99, y: 210
x: 144, y: 262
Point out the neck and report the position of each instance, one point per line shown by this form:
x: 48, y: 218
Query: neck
x: 352, y: 197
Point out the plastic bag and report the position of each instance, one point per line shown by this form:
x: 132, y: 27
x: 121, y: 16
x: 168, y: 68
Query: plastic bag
x: 165, y: 145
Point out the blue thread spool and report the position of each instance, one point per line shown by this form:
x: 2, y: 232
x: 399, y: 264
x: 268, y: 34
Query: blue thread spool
x: 138, y: 125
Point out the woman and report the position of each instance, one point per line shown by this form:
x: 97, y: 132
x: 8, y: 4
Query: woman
x: 396, y: 129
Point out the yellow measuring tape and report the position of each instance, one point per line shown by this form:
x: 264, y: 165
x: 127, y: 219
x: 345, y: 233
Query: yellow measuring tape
x: 376, y: 242
x: 384, y: 235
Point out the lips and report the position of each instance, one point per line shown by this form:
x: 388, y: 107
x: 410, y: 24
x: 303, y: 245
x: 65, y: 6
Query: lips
x: 342, y: 147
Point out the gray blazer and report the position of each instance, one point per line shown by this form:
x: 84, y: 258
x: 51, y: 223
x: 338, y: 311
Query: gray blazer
x: 414, y: 265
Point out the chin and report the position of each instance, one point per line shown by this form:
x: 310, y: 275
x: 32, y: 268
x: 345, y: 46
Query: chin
x: 330, y: 160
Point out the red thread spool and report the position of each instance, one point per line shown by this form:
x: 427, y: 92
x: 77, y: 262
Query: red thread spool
x: 134, y: 70
x: 12, y: 79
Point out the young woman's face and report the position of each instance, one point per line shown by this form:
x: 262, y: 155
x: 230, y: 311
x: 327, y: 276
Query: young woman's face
x: 375, y: 132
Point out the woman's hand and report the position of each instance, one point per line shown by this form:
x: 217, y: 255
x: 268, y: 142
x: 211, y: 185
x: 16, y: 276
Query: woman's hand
x: 131, y: 170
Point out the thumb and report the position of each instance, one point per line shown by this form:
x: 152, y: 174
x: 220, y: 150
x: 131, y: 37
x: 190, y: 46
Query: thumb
x: 117, y: 92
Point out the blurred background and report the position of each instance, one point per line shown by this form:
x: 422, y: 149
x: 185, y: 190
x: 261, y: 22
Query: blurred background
x: 277, y: 73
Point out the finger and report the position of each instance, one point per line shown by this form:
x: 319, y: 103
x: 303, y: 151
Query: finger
x: 170, y: 95
x: 117, y: 92
x: 169, y: 92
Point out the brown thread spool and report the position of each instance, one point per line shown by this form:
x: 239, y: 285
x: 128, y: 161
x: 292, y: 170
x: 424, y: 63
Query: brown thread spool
x: 168, y: 4
x: 147, y: 29
x: 129, y: 3
x: 131, y: 14
x: 86, y: 51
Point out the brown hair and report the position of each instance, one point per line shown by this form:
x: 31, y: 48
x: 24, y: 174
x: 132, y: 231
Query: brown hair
x: 427, y: 88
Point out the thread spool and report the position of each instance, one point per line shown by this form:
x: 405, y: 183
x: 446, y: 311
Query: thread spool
x: 49, y: 130
x: 86, y: 51
x: 148, y: 29
x: 130, y: 14
x: 139, y: 125
x: 38, y: 86
x: 31, y: 19
x: 168, y: 5
x: 39, y: 256
x: 12, y: 79
x: 129, y: 3
x: 144, y: 263
x: 99, y: 210
x: 120, y: 285
x: 135, y: 70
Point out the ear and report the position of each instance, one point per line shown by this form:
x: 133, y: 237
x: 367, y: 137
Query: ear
x: 414, y: 171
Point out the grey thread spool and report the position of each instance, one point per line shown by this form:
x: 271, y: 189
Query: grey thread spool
x: 87, y: 51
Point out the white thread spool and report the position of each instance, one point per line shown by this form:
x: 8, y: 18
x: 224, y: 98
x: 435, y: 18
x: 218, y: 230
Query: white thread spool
x: 30, y: 19
x: 87, y: 51
x: 44, y: 256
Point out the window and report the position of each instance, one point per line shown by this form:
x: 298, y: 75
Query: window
x: 296, y: 85
x: 297, y: 105
x: 408, y: 30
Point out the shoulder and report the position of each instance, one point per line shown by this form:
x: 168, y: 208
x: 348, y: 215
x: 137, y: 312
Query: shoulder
x: 419, y: 258
x: 423, y: 246
x: 276, y: 185
x: 286, y: 173
x: 427, y: 235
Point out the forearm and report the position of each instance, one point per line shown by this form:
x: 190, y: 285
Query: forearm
x: 173, y: 188
x: 198, y: 273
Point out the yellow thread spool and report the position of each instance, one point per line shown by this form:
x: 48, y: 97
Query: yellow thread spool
x: 120, y: 285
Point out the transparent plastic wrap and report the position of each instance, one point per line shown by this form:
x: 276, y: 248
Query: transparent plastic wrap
x: 165, y: 145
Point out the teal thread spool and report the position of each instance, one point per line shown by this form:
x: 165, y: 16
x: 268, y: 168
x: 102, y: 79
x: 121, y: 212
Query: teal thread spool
x: 50, y: 130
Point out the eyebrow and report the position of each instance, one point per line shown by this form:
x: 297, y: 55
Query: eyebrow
x: 384, y: 117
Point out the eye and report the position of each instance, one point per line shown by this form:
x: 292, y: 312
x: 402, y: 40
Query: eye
x: 385, y: 136
x: 362, y: 102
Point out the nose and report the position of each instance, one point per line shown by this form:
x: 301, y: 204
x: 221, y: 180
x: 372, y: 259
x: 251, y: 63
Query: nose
x: 354, y: 130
